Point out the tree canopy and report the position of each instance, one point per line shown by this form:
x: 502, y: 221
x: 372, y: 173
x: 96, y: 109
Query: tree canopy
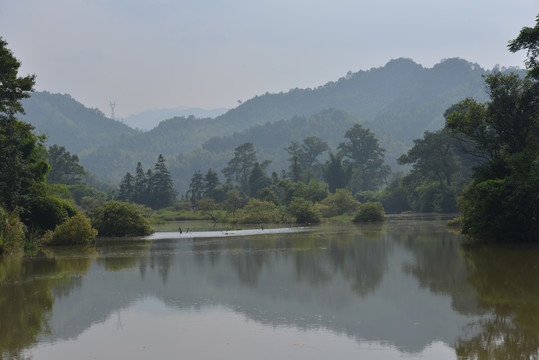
x: 364, y: 153
x: 13, y: 88
x: 433, y: 158
x: 528, y: 39
x: 65, y: 168
x: 240, y: 166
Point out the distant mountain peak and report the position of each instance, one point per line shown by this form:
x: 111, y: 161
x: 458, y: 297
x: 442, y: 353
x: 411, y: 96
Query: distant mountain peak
x: 401, y: 63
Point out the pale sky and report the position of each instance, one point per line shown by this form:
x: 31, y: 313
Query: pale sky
x: 211, y: 53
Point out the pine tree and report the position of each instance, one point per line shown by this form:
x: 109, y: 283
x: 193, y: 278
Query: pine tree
x: 257, y: 180
x: 240, y: 166
x: 295, y: 169
x: 127, y: 188
x: 161, y: 191
x: 196, y: 188
x: 141, y: 184
x: 148, y: 201
x: 211, y: 182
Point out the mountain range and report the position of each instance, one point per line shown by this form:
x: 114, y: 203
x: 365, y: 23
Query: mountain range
x: 398, y: 102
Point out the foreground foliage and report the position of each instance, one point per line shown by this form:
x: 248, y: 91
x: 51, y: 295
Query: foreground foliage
x: 12, y: 232
x: 23, y: 166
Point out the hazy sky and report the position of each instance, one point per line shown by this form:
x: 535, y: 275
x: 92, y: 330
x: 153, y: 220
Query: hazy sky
x: 211, y: 53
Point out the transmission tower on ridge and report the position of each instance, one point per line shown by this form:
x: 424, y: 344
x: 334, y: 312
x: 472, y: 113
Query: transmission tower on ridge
x: 112, y: 106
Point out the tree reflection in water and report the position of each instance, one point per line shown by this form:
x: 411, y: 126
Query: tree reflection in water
x: 359, y: 256
x: 506, y: 279
x: 439, y: 267
x: 26, y: 295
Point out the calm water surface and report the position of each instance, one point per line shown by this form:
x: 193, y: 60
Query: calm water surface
x: 405, y: 289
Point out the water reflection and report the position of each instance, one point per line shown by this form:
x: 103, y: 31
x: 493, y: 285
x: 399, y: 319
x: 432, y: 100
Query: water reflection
x: 506, y: 279
x: 439, y: 266
x: 405, y: 284
x: 27, y: 293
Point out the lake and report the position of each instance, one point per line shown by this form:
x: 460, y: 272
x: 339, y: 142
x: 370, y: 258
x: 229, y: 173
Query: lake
x: 405, y: 289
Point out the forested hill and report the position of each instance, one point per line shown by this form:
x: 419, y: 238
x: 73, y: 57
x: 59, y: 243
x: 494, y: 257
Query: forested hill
x: 69, y: 123
x: 401, y: 99
x: 170, y: 138
x: 328, y: 125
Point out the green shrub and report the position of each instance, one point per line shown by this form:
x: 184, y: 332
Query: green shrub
x: 47, y: 211
x: 259, y: 212
x: 12, y: 232
x: 116, y: 218
x: 339, y: 203
x: 499, y: 210
x: 370, y: 212
x: 304, y: 211
x: 75, y: 231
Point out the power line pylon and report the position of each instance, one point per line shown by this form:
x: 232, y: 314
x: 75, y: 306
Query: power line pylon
x: 112, y: 106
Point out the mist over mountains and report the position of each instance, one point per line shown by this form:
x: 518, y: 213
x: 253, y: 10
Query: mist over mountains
x: 149, y: 119
x: 398, y: 102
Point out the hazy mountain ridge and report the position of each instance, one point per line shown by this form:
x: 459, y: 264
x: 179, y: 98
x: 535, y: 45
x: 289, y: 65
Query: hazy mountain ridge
x: 67, y: 122
x: 170, y: 138
x: 398, y: 102
x: 400, y: 99
x: 149, y: 119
